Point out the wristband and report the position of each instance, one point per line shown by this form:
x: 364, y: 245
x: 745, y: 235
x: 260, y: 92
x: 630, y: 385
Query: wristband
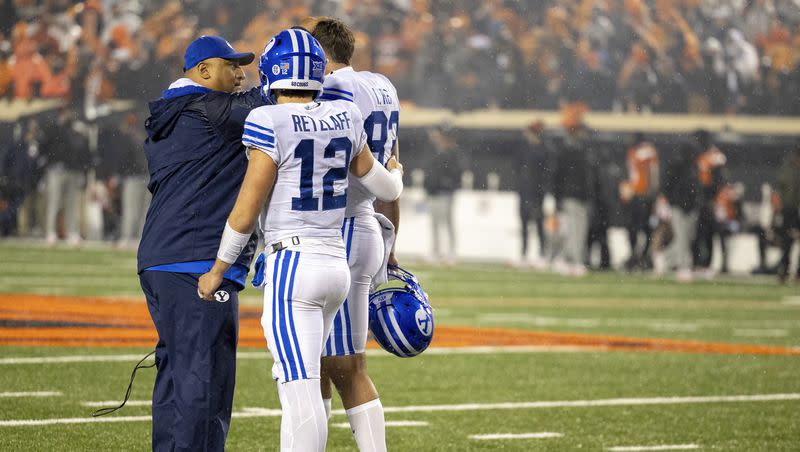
x: 232, y: 244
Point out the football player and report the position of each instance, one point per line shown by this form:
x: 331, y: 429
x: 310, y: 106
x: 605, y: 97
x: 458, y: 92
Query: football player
x: 300, y: 152
x: 344, y: 360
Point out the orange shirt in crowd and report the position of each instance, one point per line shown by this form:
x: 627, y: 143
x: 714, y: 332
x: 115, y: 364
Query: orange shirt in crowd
x: 643, y: 169
x: 775, y: 200
x: 726, y: 203
x: 707, y: 162
x: 25, y: 72
x: 5, y: 76
x: 56, y: 86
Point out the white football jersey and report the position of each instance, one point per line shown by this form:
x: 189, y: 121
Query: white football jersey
x: 377, y: 100
x: 312, y: 145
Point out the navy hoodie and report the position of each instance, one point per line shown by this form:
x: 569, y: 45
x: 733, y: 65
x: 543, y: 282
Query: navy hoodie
x: 196, y: 163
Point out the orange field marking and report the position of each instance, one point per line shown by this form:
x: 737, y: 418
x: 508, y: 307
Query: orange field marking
x: 40, y: 320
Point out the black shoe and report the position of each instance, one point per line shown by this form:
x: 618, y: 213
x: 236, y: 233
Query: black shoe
x: 760, y: 270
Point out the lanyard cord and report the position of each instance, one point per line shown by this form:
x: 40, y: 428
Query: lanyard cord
x: 109, y: 410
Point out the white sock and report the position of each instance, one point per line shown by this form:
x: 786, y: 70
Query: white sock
x: 303, y: 423
x: 328, y: 411
x: 369, y: 428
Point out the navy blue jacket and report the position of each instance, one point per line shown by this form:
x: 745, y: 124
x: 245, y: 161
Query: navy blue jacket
x: 196, y: 163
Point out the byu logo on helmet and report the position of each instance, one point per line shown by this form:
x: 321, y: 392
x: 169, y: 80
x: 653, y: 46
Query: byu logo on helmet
x: 400, y: 318
x: 292, y: 59
x: 221, y: 296
x: 424, y: 321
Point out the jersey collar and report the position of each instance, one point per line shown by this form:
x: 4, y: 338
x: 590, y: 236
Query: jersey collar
x: 344, y: 69
x: 182, y: 87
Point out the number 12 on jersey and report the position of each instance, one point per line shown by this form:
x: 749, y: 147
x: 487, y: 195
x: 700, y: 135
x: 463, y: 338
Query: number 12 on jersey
x: 305, y: 152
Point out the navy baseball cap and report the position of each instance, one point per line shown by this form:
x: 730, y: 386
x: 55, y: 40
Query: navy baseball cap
x: 206, y: 47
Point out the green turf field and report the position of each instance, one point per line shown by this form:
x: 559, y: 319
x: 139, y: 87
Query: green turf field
x: 574, y: 400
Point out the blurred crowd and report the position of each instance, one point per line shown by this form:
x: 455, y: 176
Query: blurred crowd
x: 65, y: 178
x: 674, y: 210
x: 698, y: 56
x: 695, y: 56
x: 678, y: 203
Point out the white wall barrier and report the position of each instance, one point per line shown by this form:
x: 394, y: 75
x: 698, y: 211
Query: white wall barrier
x: 488, y: 229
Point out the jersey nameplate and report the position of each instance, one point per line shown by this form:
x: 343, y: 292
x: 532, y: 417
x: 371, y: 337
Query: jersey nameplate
x: 339, y: 121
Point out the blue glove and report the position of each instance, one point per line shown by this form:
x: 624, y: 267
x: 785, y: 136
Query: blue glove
x: 258, y: 278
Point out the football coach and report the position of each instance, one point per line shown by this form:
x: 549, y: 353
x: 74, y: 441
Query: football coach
x: 196, y: 163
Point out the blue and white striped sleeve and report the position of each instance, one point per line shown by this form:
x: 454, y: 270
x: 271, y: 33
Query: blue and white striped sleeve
x: 259, y: 133
x: 335, y: 94
x: 336, y: 88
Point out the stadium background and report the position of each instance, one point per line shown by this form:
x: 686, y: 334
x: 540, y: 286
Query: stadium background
x: 482, y: 72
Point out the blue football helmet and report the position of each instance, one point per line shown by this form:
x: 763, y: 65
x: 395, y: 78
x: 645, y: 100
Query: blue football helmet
x: 400, y: 318
x: 292, y: 60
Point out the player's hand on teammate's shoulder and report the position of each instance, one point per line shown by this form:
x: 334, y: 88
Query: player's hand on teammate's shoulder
x: 208, y: 284
x: 392, y: 163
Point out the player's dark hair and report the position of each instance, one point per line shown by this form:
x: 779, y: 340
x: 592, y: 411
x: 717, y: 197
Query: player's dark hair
x: 295, y: 92
x: 337, y: 40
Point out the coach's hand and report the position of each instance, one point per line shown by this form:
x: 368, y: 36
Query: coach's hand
x: 208, y: 284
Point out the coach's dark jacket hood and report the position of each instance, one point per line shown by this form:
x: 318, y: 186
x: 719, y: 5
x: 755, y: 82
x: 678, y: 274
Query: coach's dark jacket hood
x: 196, y: 162
x: 164, y: 114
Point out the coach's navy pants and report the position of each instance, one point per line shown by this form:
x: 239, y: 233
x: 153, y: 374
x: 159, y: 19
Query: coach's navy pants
x: 196, y: 361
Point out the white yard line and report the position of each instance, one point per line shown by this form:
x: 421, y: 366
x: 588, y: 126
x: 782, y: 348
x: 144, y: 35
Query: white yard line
x: 106, y: 403
x: 539, y: 435
x: 79, y: 269
x: 272, y: 412
x: 484, y: 350
x: 660, y: 447
x: 259, y: 412
x: 73, y: 420
x: 71, y: 359
x: 595, y: 403
x: 54, y: 290
x: 388, y: 424
x: 792, y: 301
x: 539, y: 320
x: 67, y: 281
x: 31, y: 394
x: 407, y: 424
x: 688, y: 327
x: 761, y: 332
x: 479, y: 350
x: 652, y: 322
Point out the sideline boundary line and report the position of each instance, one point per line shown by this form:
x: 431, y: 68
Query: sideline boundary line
x: 659, y: 447
x: 346, y: 425
x: 273, y: 412
x: 265, y: 355
x: 31, y: 394
x: 496, y: 436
